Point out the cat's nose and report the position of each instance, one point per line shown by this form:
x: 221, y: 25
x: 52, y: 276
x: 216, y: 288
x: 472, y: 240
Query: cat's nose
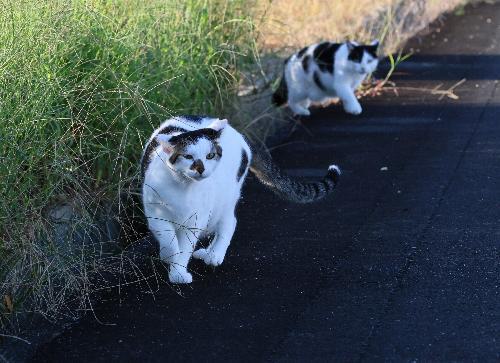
x: 198, y: 166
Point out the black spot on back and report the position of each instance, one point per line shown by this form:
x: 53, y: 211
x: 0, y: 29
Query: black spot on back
x: 243, y: 165
x: 318, y: 82
x: 280, y: 96
x: 305, y: 63
x: 324, y: 55
x: 302, y: 51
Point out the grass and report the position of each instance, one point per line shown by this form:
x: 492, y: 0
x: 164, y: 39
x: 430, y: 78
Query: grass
x: 292, y: 24
x: 82, y: 85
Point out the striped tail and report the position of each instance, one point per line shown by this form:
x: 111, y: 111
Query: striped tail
x: 280, y: 96
x: 287, y: 188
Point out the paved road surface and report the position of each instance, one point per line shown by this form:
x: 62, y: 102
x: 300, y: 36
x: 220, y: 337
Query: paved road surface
x: 400, y: 265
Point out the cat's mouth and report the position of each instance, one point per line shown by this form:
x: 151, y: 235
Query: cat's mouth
x: 198, y: 176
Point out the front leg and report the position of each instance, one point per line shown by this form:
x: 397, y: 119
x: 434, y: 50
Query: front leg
x: 214, y: 254
x: 178, y: 273
x: 165, y: 234
x: 349, y: 100
x: 176, y: 247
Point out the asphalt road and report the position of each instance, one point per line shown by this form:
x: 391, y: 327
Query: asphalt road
x: 401, y: 264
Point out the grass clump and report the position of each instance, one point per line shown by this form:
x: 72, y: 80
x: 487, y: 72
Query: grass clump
x: 82, y: 85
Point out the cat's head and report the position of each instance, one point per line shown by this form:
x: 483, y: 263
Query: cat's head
x: 363, y: 58
x: 195, y: 154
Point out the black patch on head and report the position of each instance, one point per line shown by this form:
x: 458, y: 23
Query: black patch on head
x: 171, y: 130
x: 243, y: 165
x: 356, y: 54
x: 191, y: 137
x: 218, y: 150
x: 302, y: 51
x: 193, y: 118
x: 318, y: 82
x: 179, y: 141
x: 372, y: 50
x: 154, y: 144
x: 305, y: 63
x: 324, y: 55
x: 173, y: 158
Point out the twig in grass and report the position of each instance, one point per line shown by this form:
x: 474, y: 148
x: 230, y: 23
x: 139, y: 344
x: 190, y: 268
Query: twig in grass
x: 15, y: 337
x: 449, y: 92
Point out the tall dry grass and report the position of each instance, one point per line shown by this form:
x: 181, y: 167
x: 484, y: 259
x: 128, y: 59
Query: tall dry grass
x: 294, y: 23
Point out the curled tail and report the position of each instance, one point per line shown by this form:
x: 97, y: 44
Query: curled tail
x: 287, y: 188
x: 280, y: 96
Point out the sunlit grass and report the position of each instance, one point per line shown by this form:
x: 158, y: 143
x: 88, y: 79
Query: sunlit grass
x: 295, y: 23
x: 82, y: 85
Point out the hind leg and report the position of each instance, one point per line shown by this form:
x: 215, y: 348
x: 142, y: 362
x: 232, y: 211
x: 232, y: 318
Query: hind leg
x: 298, y: 102
x: 300, y: 107
x: 214, y: 254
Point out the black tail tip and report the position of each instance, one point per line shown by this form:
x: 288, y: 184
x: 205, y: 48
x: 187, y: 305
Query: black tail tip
x: 334, y: 173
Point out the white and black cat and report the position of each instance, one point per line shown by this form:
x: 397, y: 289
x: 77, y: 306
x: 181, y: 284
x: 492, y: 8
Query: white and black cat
x: 193, y: 169
x: 325, y: 70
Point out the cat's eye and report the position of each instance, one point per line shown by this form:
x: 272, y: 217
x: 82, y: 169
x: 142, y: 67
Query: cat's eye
x: 189, y: 157
x: 210, y: 156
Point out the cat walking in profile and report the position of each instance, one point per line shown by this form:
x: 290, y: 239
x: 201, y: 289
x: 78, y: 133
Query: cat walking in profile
x: 193, y: 169
x: 325, y: 70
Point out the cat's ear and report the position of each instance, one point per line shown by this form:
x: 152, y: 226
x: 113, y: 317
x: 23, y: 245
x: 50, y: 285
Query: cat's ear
x: 375, y: 43
x: 218, y: 125
x: 165, y: 143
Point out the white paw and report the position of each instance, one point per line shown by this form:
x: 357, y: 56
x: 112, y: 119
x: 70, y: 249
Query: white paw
x: 353, y: 108
x: 302, y: 112
x: 179, y: 275
x: 299, y: 110
x: 208, y: 256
